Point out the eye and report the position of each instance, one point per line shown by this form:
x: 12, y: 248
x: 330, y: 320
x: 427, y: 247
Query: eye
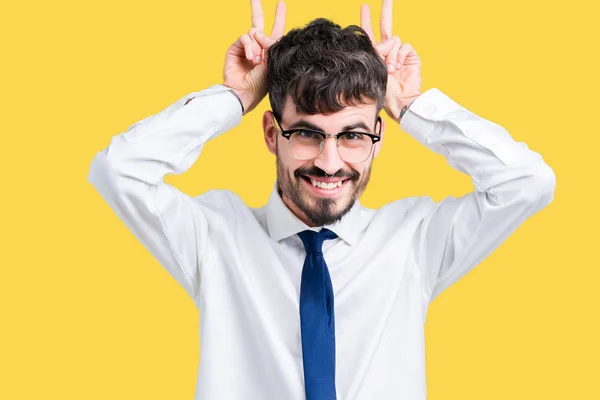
x: 308, y: 135
x: 352, y: 137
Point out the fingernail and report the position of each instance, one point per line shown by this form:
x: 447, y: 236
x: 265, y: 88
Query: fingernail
x: 260, y: 34
x: 390, y: 67
x: 250, y: 55
x: 257, y: 59
x: 398, y: 66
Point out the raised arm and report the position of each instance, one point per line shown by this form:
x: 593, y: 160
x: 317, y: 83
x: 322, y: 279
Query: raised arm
x: 129, y: 173
x: 511, y: 182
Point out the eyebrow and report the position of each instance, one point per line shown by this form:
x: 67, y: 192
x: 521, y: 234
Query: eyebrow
x: 305, y: 124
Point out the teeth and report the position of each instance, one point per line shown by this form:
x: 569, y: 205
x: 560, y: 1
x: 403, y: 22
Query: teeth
x: 324, y: 185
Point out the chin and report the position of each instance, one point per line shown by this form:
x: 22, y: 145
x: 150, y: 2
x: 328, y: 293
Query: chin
x: 325, y: 210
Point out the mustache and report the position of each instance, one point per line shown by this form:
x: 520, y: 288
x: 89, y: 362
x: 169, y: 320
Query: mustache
x: 319, y: 173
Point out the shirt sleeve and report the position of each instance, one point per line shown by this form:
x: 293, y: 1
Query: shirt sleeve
x: 129, y: 174
x: 511, y: 183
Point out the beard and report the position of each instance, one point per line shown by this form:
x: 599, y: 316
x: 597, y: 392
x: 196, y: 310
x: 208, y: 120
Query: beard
x: 320, y: 210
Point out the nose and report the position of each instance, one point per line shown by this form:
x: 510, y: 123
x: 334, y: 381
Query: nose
x: 329, y: 160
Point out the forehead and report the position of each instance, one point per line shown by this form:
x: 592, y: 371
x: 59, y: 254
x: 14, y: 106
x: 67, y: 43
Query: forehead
x: 366, y: 113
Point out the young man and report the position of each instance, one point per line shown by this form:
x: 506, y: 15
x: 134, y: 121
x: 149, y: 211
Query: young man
x: 313, y: 295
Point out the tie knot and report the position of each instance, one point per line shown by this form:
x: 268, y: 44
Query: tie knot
x: 313, y: 241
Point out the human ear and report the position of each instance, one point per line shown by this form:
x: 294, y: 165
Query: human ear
x: 380, y: 142
x: 270, y: 131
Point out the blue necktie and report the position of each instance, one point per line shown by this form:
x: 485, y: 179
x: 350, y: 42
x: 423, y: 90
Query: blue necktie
x: 317, y: 322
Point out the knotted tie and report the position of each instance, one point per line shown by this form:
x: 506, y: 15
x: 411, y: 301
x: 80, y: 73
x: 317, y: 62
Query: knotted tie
x: 317, y: 322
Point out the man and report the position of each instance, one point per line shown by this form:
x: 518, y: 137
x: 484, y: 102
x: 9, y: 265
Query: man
x: 313, y: 295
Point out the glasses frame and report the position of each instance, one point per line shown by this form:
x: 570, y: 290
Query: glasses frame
x: 288, y: 133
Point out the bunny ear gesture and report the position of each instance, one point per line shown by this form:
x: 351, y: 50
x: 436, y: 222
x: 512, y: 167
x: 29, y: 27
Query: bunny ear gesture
x: 258, y: 19
x: 245, y: 69
x: 403, y: 62
x: 255, y: 41
x: 389, y: 45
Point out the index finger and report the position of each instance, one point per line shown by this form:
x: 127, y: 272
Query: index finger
x: 258, y: 19
x: 279, y: 24
x: 385, y: 23
x: 365, y: 22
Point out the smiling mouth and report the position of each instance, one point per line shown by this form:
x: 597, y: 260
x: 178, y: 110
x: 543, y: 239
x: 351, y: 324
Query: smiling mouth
x: 325, y: 183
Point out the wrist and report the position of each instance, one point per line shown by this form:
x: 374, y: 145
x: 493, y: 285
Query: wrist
x: 404, y: 105
x: 404, y: 108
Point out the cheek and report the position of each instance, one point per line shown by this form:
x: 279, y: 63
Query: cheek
x: 287, y: 162
x: 283, y: 153
x: 359, y: 168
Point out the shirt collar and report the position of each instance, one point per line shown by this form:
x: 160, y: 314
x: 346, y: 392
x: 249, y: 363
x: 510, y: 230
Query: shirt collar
x: 282, y: 222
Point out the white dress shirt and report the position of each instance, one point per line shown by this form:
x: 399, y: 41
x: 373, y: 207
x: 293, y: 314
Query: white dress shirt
x: 242, y: 266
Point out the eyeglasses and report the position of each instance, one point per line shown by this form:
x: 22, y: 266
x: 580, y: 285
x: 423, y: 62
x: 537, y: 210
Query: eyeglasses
x: 353, y: 147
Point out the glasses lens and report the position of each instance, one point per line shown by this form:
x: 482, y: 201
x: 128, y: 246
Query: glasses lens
x: 354, y: 147
x: 305, y: 145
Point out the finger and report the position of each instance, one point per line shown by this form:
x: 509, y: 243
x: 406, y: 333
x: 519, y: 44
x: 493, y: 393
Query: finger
x: 392, y: 58
x: 256, y: 48
x: 385, y: 23
x: 408, y: 55
x: 365, y: 22
x: 263, y: 40
x: 384, y: 48
x: 248, y: 46
x: 403, y: 52
x: 279, y: 24
x: 258, y: 19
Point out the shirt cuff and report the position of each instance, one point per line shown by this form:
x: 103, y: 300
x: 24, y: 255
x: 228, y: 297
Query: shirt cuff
x: 430, y: 107
x: 221, y: 104
x: 230, y: 90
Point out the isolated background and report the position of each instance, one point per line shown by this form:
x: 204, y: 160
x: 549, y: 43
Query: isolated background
x: 87, y: 313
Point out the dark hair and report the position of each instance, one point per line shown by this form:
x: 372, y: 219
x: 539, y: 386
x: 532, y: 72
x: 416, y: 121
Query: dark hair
x: 325, y: 68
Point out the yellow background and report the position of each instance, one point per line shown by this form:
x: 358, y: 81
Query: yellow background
x: 87, y: 313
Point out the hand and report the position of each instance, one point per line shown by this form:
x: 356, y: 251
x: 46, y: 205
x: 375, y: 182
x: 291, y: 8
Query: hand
x: 403, y: 62
x: 245, y: 68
